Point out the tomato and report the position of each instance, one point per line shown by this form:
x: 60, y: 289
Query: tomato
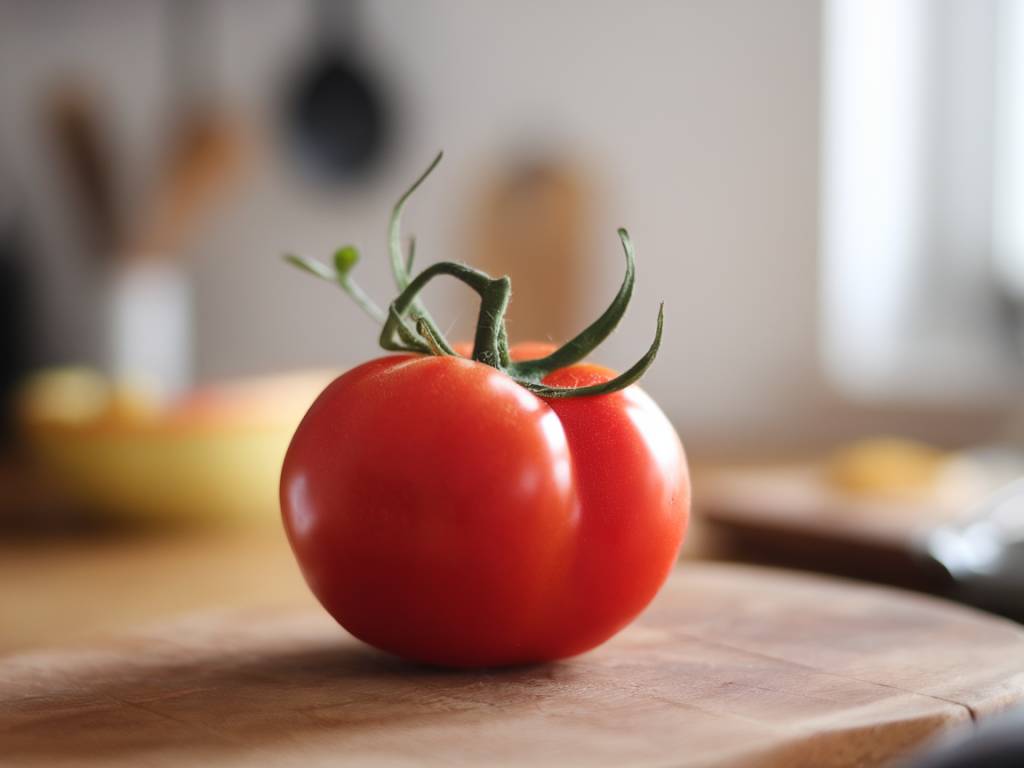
x: 482, y: 506
x: 443, y: 513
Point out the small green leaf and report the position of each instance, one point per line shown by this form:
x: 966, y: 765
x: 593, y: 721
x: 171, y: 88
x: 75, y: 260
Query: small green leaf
x: 345, y: 259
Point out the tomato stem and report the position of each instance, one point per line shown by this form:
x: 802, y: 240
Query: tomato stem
x: 490, y: 328
x: 494, y: 296
x: 401, y: 268
x: 408, y: 327
x: 591, y: 337
x: 623, y: 380
x: 424, y: 330
x: 344, y: 260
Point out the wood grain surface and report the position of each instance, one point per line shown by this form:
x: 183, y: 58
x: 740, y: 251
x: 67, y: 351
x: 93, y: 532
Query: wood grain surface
x: 732, y: 666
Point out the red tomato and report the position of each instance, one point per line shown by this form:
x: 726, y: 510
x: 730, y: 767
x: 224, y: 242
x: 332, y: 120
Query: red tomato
x: 443, y: 513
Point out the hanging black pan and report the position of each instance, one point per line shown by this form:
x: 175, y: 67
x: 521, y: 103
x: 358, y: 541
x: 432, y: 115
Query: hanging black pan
x: 337, y: 118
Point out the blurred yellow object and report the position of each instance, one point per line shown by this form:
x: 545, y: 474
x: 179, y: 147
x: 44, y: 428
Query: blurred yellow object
x: 889, y: 467
x: 81, y: 396
x: 213, y: 456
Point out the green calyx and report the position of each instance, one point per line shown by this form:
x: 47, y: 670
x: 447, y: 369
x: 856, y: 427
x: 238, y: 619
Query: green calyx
x: 406, y: 326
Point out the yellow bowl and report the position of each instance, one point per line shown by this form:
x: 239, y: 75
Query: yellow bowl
x: 214, y: 456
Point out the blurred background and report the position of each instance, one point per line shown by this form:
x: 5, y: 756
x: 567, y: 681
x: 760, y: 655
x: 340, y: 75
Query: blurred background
x: 824, y: 195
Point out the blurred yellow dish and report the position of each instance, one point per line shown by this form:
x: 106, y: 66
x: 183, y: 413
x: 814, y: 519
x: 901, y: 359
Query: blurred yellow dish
x: 890, y: 467
x: 212, y: 456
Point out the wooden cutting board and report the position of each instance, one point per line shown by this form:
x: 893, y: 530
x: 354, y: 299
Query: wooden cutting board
x: 732, y: 666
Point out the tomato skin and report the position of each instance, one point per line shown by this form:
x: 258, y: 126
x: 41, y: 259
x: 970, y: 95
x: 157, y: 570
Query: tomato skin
x: 443, y: 513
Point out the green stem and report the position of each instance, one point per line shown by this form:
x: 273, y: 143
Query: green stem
x: 621, y: 381
x: 490, y: 344
x: 345, y: 260
x: 428, y: 336
x: 412, y: 255
x: 493, y: 294
x: 503, y: 348
x: 588, y: 339
x: 401, y: 268
x: 407, y: 341
x: 490, y: 328
x: 398, y: 265
x: 325, y: 272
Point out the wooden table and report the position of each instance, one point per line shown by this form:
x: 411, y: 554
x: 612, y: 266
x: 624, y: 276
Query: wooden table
x: 64, y: 589
x: 732, y: 666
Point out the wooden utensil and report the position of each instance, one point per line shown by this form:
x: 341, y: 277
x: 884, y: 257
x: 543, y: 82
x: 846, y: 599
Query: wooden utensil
x: 530, y: 223
x: 204, y: 165
x: 84, y: 155
x: 209, y: 146
x: 732, y: 666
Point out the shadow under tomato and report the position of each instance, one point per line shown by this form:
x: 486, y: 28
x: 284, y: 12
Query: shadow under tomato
x: 239, y: 702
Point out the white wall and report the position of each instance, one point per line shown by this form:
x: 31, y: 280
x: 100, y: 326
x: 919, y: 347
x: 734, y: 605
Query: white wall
x: 699, y: 119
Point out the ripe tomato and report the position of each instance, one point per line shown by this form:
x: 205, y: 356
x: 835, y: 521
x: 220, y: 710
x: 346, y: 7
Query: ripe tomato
x: 442, y: 512
x: 484, y: 506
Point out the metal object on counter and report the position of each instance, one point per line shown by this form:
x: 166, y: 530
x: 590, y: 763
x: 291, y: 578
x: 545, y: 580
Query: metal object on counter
x: 995, y: 743
x: 984, y: 554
